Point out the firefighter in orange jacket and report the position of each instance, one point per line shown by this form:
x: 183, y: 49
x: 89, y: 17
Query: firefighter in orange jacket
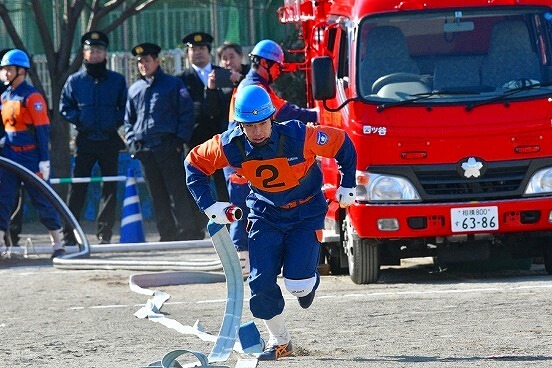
x: 27, y: 134
x: 287, y: 207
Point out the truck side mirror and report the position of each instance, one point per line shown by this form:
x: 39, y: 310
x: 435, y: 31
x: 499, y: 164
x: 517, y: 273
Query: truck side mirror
x: 323, y: 78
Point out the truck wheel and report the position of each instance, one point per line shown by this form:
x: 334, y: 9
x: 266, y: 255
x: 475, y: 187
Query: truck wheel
x: 363, y: 257
x: 548, y: 259
x: 334, y: 254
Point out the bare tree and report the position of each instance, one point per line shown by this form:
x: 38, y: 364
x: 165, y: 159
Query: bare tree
x: 59, y: 60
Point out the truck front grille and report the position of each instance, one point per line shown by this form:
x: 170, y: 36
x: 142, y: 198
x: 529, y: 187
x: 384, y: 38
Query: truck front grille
x: 501, y: 180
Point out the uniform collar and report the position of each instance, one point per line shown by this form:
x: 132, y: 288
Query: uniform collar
x: 203, y: 73
x: 154, y: 76
x: 21, y: 86
x: 207, y: 68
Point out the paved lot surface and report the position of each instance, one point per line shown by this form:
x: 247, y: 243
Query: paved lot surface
x: 415, y: 316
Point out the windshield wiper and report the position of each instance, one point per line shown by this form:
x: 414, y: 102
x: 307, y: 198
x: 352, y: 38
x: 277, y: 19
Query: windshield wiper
x: 422, y: 96
x: 508, y: 93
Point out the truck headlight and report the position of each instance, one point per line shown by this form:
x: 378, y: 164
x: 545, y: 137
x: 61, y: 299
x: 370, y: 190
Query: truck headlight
x: 540, y: 182
x: 384, y: 188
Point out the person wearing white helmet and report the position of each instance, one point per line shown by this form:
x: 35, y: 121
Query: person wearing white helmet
x: 286, y: 204
x: 27, y: 133
x: 267, y: 61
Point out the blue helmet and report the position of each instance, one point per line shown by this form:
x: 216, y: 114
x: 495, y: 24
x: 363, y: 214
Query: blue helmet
x: 252, y: 105
x: 268, y: 49
x: 16, y: 57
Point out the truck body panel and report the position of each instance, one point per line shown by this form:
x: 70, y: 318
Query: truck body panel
x: 449, y: 105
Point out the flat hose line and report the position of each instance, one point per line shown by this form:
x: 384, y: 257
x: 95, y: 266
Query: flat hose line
x: 225, y: 341
x: 44, y: 188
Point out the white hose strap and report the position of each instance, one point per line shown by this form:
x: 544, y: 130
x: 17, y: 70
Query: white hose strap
x: 225, y: 342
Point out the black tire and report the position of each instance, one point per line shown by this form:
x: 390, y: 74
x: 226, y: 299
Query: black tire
x: 363, y: 257
x: 548, y: 259
x: 334, y: 254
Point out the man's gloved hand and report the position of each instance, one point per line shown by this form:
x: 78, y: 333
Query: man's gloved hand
x: 217, y: 212
x: 44, y: 169
x: 133, y: 147
x: 345, y: 196
x: 2, y: 141
x: 137, y: 150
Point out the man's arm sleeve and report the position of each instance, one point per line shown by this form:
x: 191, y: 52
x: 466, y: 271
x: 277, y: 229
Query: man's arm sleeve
x: 38, y: 112
x: 201, y: 162
x: 185, y: 113
x: 290, y: 111
x: 333, y: 142
x: 121, y: 102
x: 129, y: 120
x: 68, y: 106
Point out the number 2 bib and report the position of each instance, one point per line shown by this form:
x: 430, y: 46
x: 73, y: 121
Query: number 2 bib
x: 270, y: 175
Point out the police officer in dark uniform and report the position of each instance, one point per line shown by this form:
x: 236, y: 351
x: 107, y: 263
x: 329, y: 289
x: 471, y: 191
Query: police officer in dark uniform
x: 210, y: 107
x: 158, y: 122
x: 93, y: 100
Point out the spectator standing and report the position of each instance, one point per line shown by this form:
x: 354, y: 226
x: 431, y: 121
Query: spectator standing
x: 267, y: 60
x: 210, y: 106
x: 231, y: 56
x: 27, y: 132
x: 287, y: 207
x: 158, y: 122
x: 93, y: 100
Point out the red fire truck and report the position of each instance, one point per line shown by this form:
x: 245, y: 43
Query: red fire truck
x: 449, y: 105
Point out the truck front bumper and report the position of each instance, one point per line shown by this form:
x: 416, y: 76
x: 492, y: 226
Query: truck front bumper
x: 392, y: 221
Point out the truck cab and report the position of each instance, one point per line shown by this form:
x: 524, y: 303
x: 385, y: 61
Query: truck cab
x: 449, y: 105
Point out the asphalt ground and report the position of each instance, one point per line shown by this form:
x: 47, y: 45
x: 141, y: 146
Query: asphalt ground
x: 417, y: 315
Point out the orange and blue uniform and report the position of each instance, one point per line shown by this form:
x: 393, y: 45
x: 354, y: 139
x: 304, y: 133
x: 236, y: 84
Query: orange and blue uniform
x: 27, y: 132
x: 237, y: 186
x: 287, y: 207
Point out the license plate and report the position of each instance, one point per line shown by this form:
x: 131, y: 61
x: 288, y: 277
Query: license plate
x: 474, y: 218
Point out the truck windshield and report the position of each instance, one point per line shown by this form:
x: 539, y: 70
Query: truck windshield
x: 455, y: 56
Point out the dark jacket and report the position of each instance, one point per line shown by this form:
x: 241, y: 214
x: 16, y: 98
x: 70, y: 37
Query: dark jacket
x: 210, y: 111
x: 158, y: 110
x: 95, y: 106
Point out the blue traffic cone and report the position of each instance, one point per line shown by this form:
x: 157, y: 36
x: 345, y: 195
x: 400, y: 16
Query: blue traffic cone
x: 132, y: 226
